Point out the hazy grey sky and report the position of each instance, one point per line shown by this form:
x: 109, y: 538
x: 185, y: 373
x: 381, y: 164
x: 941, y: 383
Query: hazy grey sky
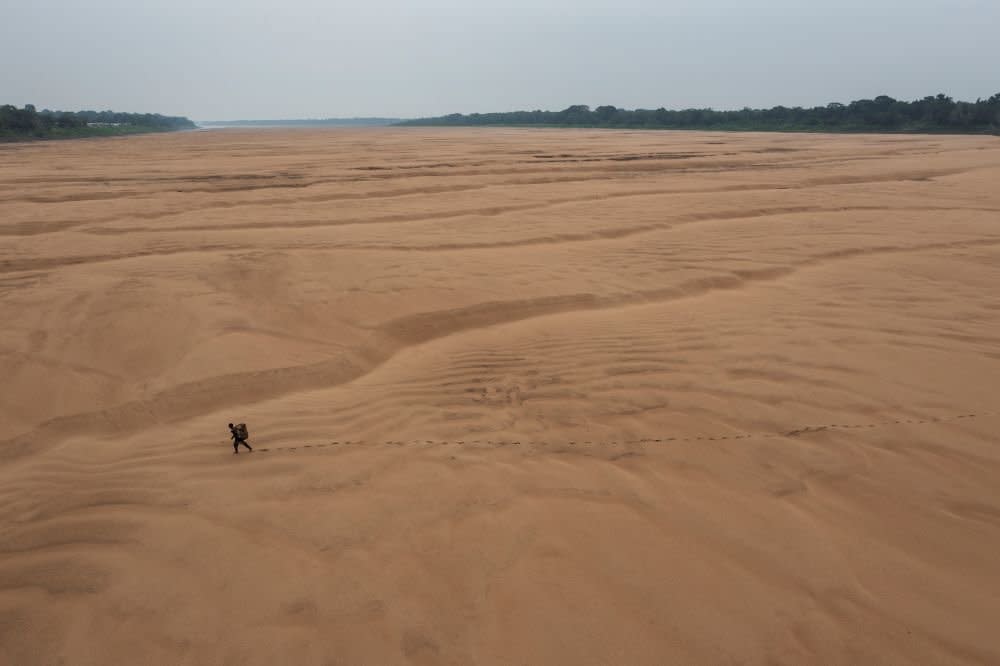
x: 299, y: 58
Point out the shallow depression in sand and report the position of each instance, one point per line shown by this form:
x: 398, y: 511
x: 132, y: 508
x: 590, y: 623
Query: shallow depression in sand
x: 518, y: 396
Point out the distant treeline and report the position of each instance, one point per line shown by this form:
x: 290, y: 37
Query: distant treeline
x: 302, y: 122
x: 29, y: 123
x: 882, y: 114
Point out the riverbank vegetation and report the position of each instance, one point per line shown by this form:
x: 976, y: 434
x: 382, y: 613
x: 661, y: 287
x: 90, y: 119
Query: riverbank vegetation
x: 29, y: 123
x: 883, y: 114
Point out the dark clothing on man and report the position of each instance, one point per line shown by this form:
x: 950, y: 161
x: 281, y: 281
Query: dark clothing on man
x: 237, y: 439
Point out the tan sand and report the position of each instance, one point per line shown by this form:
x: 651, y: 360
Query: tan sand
x: 517, y: 397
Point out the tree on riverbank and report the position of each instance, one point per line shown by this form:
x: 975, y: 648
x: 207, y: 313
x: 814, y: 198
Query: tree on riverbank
x: 29, y: 123
x: 883, y: 114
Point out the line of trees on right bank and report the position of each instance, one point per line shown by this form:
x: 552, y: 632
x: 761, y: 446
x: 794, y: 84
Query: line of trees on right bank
x: 883, y: 114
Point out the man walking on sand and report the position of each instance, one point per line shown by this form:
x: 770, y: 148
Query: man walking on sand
x: 237, y: 439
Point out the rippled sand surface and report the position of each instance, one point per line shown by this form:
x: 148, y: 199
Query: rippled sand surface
x: 516, y: 397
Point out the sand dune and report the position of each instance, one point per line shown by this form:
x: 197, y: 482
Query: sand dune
x: 517, y: 397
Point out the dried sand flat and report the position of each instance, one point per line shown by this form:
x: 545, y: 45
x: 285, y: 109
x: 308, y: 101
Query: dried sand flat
x: 518, y: 397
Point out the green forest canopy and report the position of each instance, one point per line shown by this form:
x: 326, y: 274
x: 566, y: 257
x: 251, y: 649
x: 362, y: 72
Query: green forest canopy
x: 882, y: 114
x: 29, y: 123
x: 939, y: 113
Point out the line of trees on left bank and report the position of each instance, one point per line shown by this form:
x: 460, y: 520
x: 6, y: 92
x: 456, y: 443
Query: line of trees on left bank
x: 29, y: 123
